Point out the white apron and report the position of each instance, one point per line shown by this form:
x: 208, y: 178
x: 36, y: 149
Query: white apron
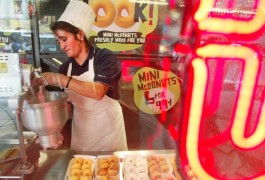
x: 97, y: 125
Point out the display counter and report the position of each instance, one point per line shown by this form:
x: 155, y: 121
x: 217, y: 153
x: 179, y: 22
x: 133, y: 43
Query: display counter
x: 53, y: 163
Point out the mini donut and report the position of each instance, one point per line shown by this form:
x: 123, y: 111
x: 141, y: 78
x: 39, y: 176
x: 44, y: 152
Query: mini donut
x: 103, y: 166
x: 141, y: 170
x: 114, y: 178
x: 86, y: 166
x: 78, y: 160
x: 154, y: 168
x: 75, y: 172
x: 109, y: 14
x: 103, y: 160
x: 114, y: 166
x: 161, y: 163
x: 156, y: 175
x: 142, y: 176
x: 74, y: 177
x: 161, y: 158
x: 86, y: 178
x: 140, y: 163
x: 129, y: 161
x: 152, y: 163
x: 112, y: 172
x: 103, y: 178
x: 113, y: 159
x: 76, y: 166
x: 87, y: 172
x: 88, y: 161
x: 164, y: 168
x: 102, y: 172
x: 151, y: 158
x: 127, y: 20
x: 130, y: 169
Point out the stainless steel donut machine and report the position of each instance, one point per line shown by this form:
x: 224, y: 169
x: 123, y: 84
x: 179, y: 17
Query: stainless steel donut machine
x: 35, y: 109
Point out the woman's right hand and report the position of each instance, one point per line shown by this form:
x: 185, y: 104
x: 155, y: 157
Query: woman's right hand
x: 47, y: 78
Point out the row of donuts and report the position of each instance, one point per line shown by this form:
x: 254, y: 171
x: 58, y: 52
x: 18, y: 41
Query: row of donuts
x: 159, y: 167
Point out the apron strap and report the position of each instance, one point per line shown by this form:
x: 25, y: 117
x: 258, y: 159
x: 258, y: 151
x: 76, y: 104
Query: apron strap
x: 69, y: 71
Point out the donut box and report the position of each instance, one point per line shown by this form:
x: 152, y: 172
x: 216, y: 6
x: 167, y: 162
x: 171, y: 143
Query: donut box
x: 81, y: 167
x: 159, y: 167
x: 135, y: 168
x: 107, y: 167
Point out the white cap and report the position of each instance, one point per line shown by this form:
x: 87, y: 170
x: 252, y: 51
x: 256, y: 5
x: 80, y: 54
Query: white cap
x: 80, y: 15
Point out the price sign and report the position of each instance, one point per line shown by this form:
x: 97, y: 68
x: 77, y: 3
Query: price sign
x: 155, y: 91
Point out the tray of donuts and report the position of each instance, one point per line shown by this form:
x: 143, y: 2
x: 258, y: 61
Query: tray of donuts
x: 135, y: 168
x: 81, y: 167
x: 160, y: 167
x: 107, y: 167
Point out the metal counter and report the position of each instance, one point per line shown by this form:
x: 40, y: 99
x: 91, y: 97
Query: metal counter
x: 52, y: 165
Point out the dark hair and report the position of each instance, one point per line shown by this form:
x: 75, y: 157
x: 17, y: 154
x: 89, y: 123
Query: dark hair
x: 67, y: 27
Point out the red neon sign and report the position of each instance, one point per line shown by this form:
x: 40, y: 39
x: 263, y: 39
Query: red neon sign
x: 224, y: 144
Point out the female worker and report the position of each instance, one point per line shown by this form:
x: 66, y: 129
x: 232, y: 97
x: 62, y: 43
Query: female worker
x: 90, y: 76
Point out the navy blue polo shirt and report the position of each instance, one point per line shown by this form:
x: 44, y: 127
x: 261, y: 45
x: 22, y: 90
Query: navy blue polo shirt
x: 107, y: 69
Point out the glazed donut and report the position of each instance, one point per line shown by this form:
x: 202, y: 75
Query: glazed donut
x: 151, y: 158
x: 156, y: 176
x: 108, y: 7
x: 152, y: 163
x: 103, y: 160
x: 102, y: 172
x: 87, y: 172
x: 86, y: 178
x: 78, y: 160
x: 88, y: 161
x: 103, y: 178
x: 113, y: 159
x: 161, y: 158
x: 74, y: 177
x: 76, y: 166
x: 161, y: 163
x: 86, y: 166
x: 103, y: 166
x: 154, y: 169
x: 112, y: 172
x: 164, y: 168
x: 75, y: 172
x: 128, y: 20
x: 114, y: 166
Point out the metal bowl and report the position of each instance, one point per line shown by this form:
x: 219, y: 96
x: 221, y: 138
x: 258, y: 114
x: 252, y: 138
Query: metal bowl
x: 45, y: 114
